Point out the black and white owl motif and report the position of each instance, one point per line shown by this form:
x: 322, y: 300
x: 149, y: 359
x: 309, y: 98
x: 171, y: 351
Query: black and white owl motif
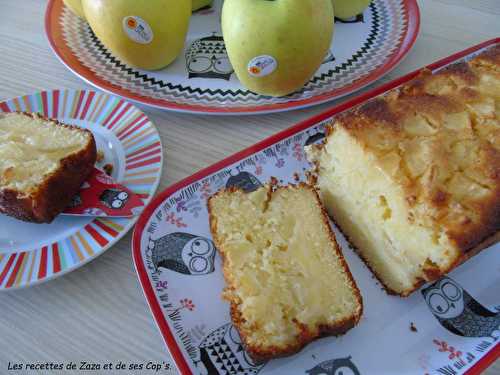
x: 314, y: 138
x: 355, y: 19
x: 184, y: 253
x: 207, y: 58
x: 114, y: 198
x: 244, y: 181
x: 459, y: 312
x: 329, y: 57
x: 75, y: 201
x: 338, y: 366
x: 222, y: 352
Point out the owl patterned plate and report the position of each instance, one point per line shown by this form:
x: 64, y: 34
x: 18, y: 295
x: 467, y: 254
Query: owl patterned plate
x: 202, y: 80
x: 33, y: 253
x: 180, y: 273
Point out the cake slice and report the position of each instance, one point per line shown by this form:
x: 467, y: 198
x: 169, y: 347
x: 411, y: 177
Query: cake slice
x: 413, y: 178
x: 287, y: 281
x: 42, y: 165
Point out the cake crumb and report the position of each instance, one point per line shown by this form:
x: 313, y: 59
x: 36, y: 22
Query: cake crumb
x: 7, y: 175
x: 100, y: 156
x: 108, y: 168
x: 412, y: 327
x: 296, y: 177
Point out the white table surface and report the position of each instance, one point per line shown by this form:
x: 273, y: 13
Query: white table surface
x: 98, y: 312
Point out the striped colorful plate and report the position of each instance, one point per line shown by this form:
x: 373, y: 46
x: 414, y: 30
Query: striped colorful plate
x: 33, y: 253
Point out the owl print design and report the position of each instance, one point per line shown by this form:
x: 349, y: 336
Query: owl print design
x: 207, y: 58
x: 355, y: 19
x: 222, y: 352
x: 458, y: 312
x: 184, y: 253
x: 244, y: 181
x: 313, y: 138
x: 114, y: 198
x: 339, y: 366
x: 75, y: 201
x: 329, y: 57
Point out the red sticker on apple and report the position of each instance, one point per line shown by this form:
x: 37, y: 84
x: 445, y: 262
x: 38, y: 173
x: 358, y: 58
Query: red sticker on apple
x: 262, y: 66
x: 137, y: 29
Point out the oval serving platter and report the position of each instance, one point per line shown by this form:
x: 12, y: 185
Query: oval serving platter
x: 395, y: 335
x: 363, y: 50
x: 34, y: 253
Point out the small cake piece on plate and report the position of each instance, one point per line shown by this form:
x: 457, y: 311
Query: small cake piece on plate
x: 413, y: 178
x: 287, y: 281
x: 42, y: 165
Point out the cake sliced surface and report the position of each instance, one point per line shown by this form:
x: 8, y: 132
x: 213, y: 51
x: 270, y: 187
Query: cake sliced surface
x: 42, y: 165
x: 413, y: 177
x: 287, y: 281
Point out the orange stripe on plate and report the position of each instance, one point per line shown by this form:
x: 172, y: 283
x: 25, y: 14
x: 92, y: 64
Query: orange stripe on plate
x: 145, y: 148
x: 111, y: 224
x: 14, y: 272
x: 144, y: 132
x: 143, y: 163
x: 96, y: 105
x: 139, y: 181
x: 76, y: 248
x: 32, y: 265
x: 96, y: 235
x: 145, y: 155
x: 105, y: 228
x: 118, y: 106
x: 141, y: 139
x: 99, y: 110
x: 79, y: 104
x: 17, y: 104
x: 21, y: 270
x: 85, y: 244
x: 27, y: 103
x: 133, y: 129
x: 7, y: 268
x: 127, y: 125
x: 142, y: 173
x: 73, y: 105
x: 119, y: 116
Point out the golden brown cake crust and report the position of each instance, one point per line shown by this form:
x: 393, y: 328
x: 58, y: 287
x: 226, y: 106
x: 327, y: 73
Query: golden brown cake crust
x: 56, y: 192
x: 264, y: 353
x: 455, y: 115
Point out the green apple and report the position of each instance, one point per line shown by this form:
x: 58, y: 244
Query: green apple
x: 198, y: 4
x: 76, y: 7
x: 276, y: 46
x: 345, y: 9
x: 148, y: 34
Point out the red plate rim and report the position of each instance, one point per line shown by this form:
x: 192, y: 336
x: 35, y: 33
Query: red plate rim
x: 167, y: 335
x: 412, y: 13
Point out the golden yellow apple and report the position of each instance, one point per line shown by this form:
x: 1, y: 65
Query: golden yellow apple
x: 148, y: 34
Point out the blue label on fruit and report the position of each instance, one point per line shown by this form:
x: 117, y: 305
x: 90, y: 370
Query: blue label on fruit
x: 137, y: 29
x: 262, y: 66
